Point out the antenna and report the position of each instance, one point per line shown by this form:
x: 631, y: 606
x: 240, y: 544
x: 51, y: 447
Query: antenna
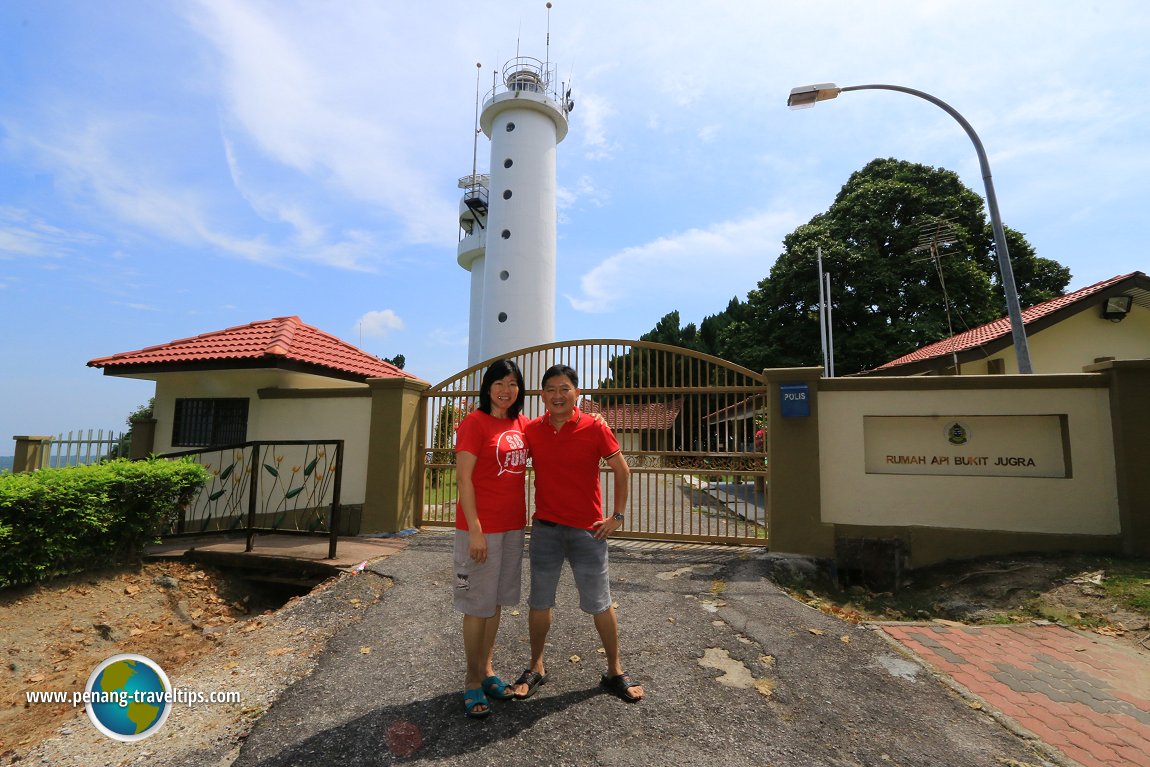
x: 930, y: 241
x: 547, y: 47
x: 475, y: 136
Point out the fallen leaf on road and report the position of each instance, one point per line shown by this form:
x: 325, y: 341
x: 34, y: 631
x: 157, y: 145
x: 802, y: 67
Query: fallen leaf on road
x: 279, y: 651
x: 817, y: 632
x: 365, y: 650
x: 575, y: 659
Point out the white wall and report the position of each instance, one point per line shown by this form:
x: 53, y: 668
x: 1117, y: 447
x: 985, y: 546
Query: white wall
x: 1085, y: 503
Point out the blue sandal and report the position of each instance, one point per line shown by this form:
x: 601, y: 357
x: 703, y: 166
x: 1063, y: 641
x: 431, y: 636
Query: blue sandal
x: 496, y: 688
x: 473, y: 698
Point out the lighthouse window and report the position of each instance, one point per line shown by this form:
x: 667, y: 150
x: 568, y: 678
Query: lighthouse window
x: 503, y: 316
x: 507, y: 194
x: 507, y: 163
x: 510, y: 127
x: 504, y: 275
x: 506, y: 234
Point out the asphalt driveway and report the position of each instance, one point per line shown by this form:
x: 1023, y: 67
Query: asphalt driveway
x: 736, y: 673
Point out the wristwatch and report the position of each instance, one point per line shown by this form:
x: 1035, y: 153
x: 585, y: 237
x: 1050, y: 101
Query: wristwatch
x: 617, y: 517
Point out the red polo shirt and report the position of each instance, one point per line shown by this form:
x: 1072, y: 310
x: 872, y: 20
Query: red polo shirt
x: 567, y: 468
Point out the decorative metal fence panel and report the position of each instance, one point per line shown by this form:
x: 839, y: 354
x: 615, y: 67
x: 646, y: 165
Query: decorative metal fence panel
x: 692, y: 427
x: 269, y: 486
x: 78, y: 449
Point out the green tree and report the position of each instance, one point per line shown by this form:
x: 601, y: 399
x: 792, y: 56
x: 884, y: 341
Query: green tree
x: 123, y: 446
x: 886, y: 295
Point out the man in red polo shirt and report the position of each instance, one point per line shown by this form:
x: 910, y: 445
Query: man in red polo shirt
x: 568, y: 525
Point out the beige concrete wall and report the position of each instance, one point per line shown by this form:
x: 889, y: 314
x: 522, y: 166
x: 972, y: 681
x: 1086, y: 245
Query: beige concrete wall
x: 318, y: 417
x: 231, y: 383
x: 1085, y: 503
x: 281, y: 406
x: 1078, y: 341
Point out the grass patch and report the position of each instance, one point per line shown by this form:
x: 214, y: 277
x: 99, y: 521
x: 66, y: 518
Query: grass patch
x: 1128, y: 583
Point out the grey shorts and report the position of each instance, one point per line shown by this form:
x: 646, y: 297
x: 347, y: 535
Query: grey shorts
x: 550, y: 546
x: 479, y: 588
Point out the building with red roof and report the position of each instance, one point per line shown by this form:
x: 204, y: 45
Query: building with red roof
x: 277, y: 379
x: 284, y: 344
x: 1107, y: 320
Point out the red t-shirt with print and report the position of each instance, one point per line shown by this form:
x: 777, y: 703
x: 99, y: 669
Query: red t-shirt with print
x: 566, y: 464
x: 500, y: 450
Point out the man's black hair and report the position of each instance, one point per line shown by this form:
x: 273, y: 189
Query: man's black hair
x: 560, y: 370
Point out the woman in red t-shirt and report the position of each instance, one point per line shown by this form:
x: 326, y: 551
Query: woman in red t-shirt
x: 491, y: 513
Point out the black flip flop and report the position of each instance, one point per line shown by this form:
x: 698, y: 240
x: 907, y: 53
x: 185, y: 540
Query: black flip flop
x: 533, y: 680
x: 619, y: 685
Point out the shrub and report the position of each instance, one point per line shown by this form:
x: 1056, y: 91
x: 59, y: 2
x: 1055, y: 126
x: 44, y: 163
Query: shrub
x: 66, y: 520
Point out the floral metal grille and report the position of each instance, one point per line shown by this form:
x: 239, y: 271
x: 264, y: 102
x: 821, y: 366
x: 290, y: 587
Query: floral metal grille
x: 271, y: 486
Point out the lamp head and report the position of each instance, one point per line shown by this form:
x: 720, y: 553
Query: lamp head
x: 1115, y: 308
x: 805, y: 96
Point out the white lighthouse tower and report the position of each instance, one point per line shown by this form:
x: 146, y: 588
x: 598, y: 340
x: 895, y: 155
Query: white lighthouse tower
x: 508, y: 217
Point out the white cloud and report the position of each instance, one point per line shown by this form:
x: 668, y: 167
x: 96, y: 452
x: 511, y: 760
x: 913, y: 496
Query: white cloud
x: 302, y: 91
x: 377, y: 324
x: 584, y: 189
x: 591, y: 115
x: 23, y: 234
x: 670, y: 267
x: 709, y: 133
x: 449, y: 337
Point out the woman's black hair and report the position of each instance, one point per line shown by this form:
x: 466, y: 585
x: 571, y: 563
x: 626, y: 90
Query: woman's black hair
x: 497, y: 370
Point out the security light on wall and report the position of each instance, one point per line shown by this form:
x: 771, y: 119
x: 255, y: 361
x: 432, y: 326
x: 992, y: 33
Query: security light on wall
x: 1116, y: 308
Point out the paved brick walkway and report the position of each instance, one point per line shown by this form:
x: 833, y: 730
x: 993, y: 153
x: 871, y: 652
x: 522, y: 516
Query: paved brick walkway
x: 1084, y: 695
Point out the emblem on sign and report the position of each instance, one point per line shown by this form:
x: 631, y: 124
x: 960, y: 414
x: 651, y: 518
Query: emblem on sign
x: 956, y: 433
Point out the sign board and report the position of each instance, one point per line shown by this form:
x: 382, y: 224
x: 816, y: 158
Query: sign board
x: 796, y: 400
x: 989, y: 446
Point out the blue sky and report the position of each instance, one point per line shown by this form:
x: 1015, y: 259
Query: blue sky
x: 169, y: 169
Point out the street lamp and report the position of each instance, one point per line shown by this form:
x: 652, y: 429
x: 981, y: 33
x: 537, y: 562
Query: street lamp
x: 808, y: 95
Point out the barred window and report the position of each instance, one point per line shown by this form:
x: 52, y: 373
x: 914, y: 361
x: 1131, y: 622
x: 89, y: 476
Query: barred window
x: 208, y: 422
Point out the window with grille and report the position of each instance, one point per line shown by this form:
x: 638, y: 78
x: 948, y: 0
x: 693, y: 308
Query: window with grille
x: 208, y: 422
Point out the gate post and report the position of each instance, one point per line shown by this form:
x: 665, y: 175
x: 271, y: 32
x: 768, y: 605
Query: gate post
x: 30, y: 453
x: 794, y: 508
x: 143, y: 438
x: 392, y: 456
x: 1130, y: 420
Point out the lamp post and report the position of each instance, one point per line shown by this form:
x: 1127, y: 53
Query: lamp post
x: 808, y: 95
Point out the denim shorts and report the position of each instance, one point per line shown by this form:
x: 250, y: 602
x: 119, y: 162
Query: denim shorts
x: 479, y: 588
x: 551, y: 544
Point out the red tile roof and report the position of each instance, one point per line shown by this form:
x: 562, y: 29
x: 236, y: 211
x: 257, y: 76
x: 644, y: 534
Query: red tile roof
x: 628, y: 416
x: 980, y: 336
x: 280, y: 339
x: 744, y: 408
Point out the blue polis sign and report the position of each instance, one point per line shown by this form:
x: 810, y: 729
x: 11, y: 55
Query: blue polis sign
x: 796, y: 400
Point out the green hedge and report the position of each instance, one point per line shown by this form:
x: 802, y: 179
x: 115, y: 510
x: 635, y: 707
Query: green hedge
x: 57, y: 521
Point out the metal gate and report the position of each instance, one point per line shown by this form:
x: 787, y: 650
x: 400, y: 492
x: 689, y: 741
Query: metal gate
x: 692, y: 427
